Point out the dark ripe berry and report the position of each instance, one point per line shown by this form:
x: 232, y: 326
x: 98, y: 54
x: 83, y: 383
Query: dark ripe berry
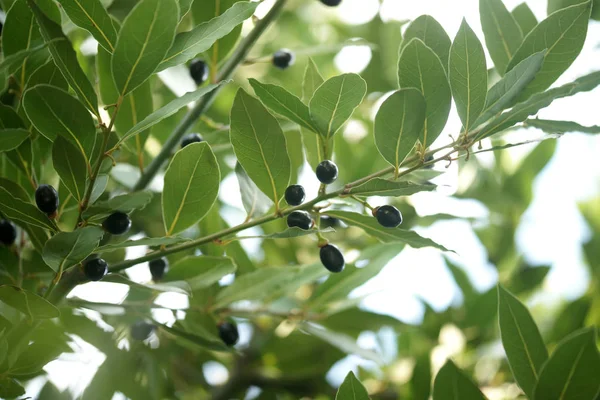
x: 388, y: 216
x: 8, y: 232
x: 301, y: 219
x: 332, y: 258
x: 95, y: 269
x: 117, y: 223
x: 141, y: 330
x: 294, y: 195
x: 331, y: 3
x: 327, y: 172
x: 46, y: 199
x: 429, y: 159
x: 158, y: 268
x: 199, y: 71
x: 228, y: 332
x: 283, y: 58
x: 329, y: 222
x: 189, y: 139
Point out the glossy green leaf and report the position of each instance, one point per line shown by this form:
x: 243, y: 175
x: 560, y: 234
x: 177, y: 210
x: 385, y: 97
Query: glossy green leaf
x: 260, y: 146
x: 55, y: 112
x: 505, y: 92
x: 168, y: 110
x: 553, y: 127
x: 200, y: 271
x: 432, y: 34
x: 255, y: 202
x: 125, y: 203
x: 188, y: 44
x: 48, y: 74
x: 521, y: 111
x: 15, y: 61
x: 180, y: 287
x: 419, y: 67
x: 91, y: 16
x: 452, y: 384
x: 561, y: 36
x: 467, y: 72
x: 12, y: 138
x: 312, y: 143
x: 144, y: 39
x: 351, y: 389
x: 191, y: 187
x: 25, y: 212
x: 67, y: 249
x: 384, y: 187
x: 65, y: 58
x: 150, y: 242
x: 571, y: 373
x: 289, y: 233
x: 524, y: 17
x: 30, y: 304
x: 503, y: 36
x: 522, y: 341
x: 372, y: 227
x: 334, y: 102
x: 398, y: 125
x: 70, y: 166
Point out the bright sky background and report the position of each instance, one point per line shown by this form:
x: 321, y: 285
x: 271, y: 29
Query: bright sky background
x: 551, y: 231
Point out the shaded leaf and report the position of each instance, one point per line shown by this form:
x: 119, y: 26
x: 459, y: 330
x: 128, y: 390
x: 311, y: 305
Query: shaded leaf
x: 125, y: 203
x: 91, y: 16
x: 208, y: 343
x: 27, y: 302
x: 288, y: 234
x: 351, y: 389
x: 70, y: 166
x: 255, y: 202
x: 66, y: 249
x: 200, y: 271
x: 150, y: 242
x: 384, y: 187
x: 312, y: 143
x: 22, y: 211
x: 12, y: 138
x: 13, y: 62
x: 451, y: 384
x: 432, y: 34
x: 180, y: 287
x: 10, y: 388
x: 503, y: 36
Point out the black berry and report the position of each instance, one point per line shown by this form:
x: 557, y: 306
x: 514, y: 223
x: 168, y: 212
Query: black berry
x: 283, y: 58
x: 301, y: 219
x: 331, y: 3
x: 228, y: 332
x: 189, y: 139
x: 158, y: 268
x: 294, y: 195
x: 199, y: 71
x: 95, y: 269
x: 327, y: 172
x: 329, y: 222
x: 117, y: 223
x: 46, y: 199
x: 429, y: 159
x: 141, y: 330
x: 388, y: 216
x: 332, y: 258
x: 8, y: 232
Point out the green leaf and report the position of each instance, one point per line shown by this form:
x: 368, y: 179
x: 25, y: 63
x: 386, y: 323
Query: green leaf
x: 255, y: 202
x: 524, y: 17
x: 30, y: 304
x: 505, y: 92
x: 168, y: 110
x: 555, y: 5
x: 312, y: 143
x: 184, y: 8
x: 432, y: 34
x: 284, y: 103
x: 200, y: 271
x: 572, y: 371
x: 419, y: 67
x: 180, y: 287
x: 70, y: 166
x: 554, y: 127
x: 384, y: 187
x: 10, y: 388
x: 260, y: 146
x: 351, y: 389
x: 503, y: 36
x: 188, y: 44
x: 66, y: 249
x: 561, y: 36
x: 208, y: 343
x: 522, y: 341
x: 15, y: 61
x: 144, y: 39
x: 398, y: 125
x: 289, y: 233
x: 12, y: 138
x: 372, y: 227
x: 521, y: 111
x: 467, y: 72
x: 334, y: 102
x: 268, y: 282
x: 91, y: 16
x: 125, y: 203
x: 191, y: 187
x: 54, y: 112
x: 19, y: 210
x: 65, y: 58
x: 48, y: 74
x: 452, y: 384
x: 150, y: 242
